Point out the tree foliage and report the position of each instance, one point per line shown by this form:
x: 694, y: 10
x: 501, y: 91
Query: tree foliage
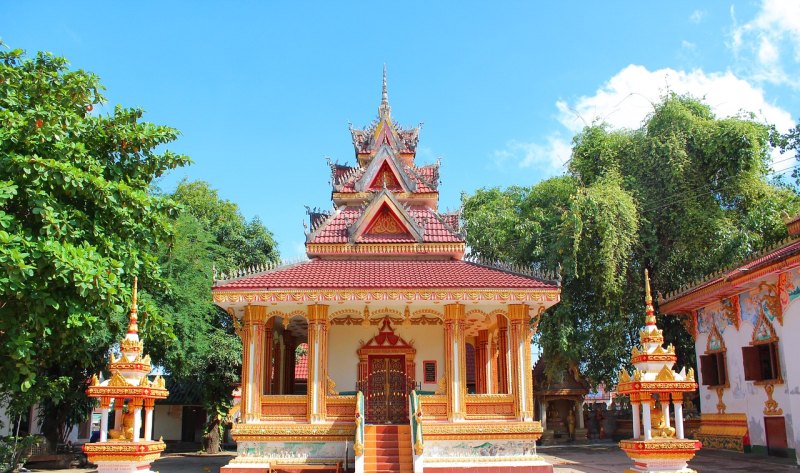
x: 205, y: 351
x: 76, y: 224
x: 683, y: 195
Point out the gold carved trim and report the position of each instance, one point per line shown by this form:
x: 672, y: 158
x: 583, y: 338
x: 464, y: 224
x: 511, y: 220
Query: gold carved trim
x: 720, y: 403
x: 369, y: 295
x: 771, y: 405
x: 384, y: 248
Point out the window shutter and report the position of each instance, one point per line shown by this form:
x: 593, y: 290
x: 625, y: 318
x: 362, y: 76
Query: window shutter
x: 722, y: 369
x: 708, y: 370
x: 774, y: 360
x: 752, y: 366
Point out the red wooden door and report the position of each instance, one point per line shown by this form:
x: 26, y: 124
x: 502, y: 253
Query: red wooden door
x: 387, y: 393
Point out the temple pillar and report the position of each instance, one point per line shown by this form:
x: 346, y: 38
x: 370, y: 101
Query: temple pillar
x: 149, y: 405
x: 636, y: 420
x: 677, y: 402
x: 104, y: 408
x: 543, y: 412
x: 646, y: 423
x: 252, y: 346
x: 579, y: 413
x: 119, y: 403
x: 481, y: 368
x: 493, y: 363
x: 266, y: 372
x: 137, y: 419
x: 280, y: 367
x: 288, y: 374
x: 519, y: 339
x: 664, y: 400
x: 317, y: 362
x: 503, y: 365
x: 455, y: 361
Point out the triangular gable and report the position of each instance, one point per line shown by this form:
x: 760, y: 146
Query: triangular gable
x: 384, y: 135
x: 384, y: 160
x: 763, y: 332
x: 386, y: 337
x: 386, y: 222
x: 715, y: 342
x: 385, y: 177
x: 382, y: 207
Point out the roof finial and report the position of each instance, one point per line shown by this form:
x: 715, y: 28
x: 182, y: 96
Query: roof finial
x: 650, y: 318
x: 384, y: 109
x: 132, y: 321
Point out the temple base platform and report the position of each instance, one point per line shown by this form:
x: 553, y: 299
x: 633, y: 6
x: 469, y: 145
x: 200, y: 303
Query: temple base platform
x: 123, y: 457
x: 662, y: 455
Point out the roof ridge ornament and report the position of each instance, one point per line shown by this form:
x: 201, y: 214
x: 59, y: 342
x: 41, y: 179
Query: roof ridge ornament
x: 384, y: 111
x: 133, y: 327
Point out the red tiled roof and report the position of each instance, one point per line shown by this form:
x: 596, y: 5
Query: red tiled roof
x: 422, y: 176
x: 336, y: 229
x: 331, y: 274
x: 301, y: 366
x: 726, y: 284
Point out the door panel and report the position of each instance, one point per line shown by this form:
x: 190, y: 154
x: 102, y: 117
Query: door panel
x: 387, y: 393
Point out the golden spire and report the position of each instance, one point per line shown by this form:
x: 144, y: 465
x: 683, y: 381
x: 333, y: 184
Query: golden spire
x: 650, y: 318
x: 132, y: 325
x: 384, y: 110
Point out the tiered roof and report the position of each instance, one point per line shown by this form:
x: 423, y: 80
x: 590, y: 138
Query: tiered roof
x: 384, y: 229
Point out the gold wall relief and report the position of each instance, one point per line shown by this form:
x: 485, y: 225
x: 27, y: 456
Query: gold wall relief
x: 720, y: 404
x: 731, y: 310
x: 769, y: 300
x: 771, y: 405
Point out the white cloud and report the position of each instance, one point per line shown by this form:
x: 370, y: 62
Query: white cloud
x: 688, y: 45
x: 768, y: 46
x: 629, y: 96
x: 549, y: 156
x: 697, y: 16
x: 626, y: 100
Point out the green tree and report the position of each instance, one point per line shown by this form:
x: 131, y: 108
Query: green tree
x: 682, y: 196
x: 206, y: 351
x: 76, y: 224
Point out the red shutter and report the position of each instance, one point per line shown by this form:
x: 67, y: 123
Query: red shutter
x: 708, y: 370
x: 774, y: 360
x: 752, y: 366
x: 722, y: 368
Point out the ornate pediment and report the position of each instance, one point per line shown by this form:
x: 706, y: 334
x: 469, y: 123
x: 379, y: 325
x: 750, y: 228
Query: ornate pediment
x: 715, y: 341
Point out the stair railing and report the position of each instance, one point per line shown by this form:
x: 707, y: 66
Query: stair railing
x: 358, y: 443
x: 417, y: 443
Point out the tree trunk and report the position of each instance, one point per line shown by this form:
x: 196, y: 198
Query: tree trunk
x: 211, y: 440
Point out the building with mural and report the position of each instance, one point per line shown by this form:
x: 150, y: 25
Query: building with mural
x: 744, y: 321
x: 390, y: 311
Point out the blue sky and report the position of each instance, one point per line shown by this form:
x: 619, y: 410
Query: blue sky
x: 263, y: 91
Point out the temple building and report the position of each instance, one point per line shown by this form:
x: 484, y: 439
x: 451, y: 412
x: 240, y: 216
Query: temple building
x: 744, y: 320
x: 392, y: 314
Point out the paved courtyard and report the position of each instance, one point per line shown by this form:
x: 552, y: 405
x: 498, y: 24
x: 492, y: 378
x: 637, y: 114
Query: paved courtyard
x: 577, y: 459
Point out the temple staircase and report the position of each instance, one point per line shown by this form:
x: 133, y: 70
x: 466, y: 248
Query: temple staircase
x: 387, y: 449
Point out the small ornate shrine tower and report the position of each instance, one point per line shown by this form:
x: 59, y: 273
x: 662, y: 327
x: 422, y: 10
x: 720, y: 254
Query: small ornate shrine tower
x: 122, y: 449
x: 656, y: 445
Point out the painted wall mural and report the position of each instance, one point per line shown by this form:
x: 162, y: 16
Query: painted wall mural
x: 292, y: 450
x: 478, y: 448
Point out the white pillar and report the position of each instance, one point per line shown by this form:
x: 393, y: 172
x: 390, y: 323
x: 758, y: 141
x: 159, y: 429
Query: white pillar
x: 678, y: 419
x: 148, y: 424
x: 665, y: 411
x: 137, y: 422
x: 636, y: 430
x: 543, y: 410
x: 104, y: 424
x: 118, y: 405
x: 646, y: 425
x: 579, y: 413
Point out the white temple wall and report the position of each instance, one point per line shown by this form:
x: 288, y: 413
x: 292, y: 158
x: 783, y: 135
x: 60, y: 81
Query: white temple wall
x: 344, y: 342
x: 167, y: 422
x: 746, y: 396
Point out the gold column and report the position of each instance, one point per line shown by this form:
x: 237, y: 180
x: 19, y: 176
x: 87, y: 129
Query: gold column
x: 252, y: 361
x: 503, y: 385
x: 519, y: 337
x: 317, y: 362
x: 266, y: 378
x: 455, y: 361
x: 481, y: 351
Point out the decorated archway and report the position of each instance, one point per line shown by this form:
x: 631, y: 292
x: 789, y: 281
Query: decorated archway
x: 386, y: 375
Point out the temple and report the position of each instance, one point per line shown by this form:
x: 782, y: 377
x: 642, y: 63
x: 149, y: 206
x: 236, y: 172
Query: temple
x: 417, y: 357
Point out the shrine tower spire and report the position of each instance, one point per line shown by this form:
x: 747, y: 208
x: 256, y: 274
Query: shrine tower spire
x: 384, y: 111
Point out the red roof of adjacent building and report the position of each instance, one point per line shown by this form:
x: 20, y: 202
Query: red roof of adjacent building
x: 727, y: 283
x: 339, y: 274
x: 301, y: 366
